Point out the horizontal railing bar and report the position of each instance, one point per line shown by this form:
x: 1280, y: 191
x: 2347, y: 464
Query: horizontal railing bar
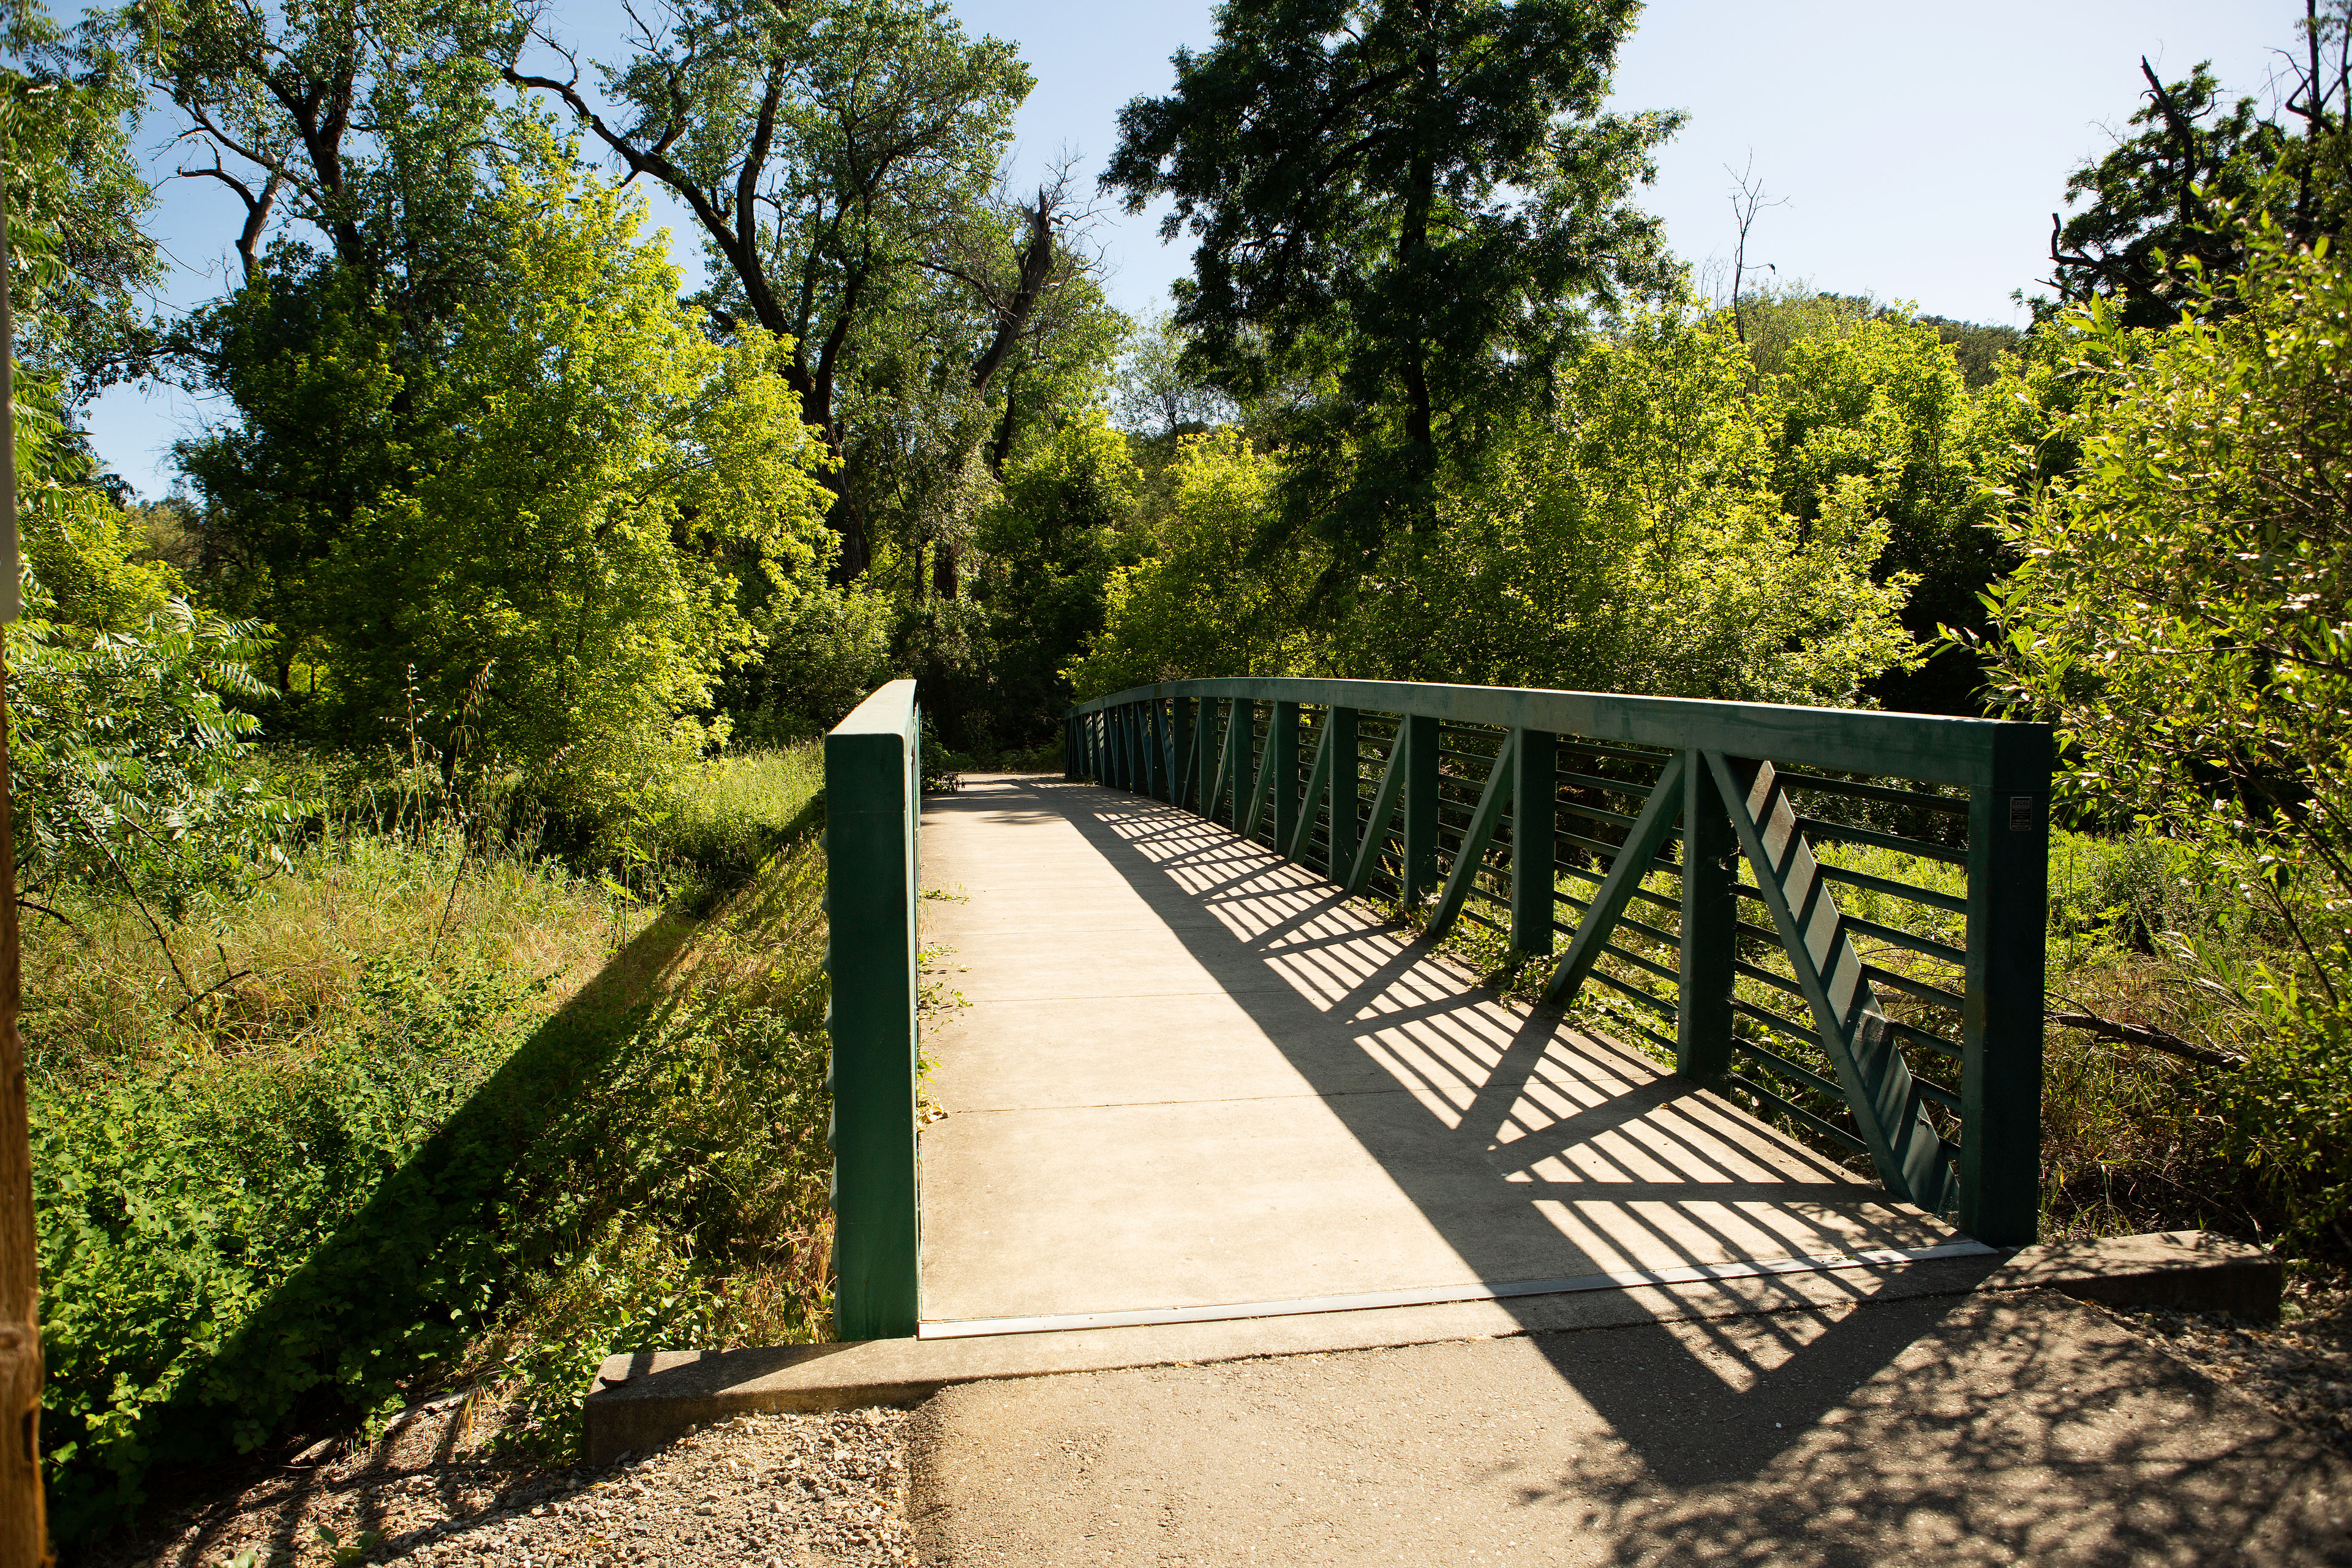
x: 1614, y: 786
x: 1557, y: 897
x: 1624, y: 1021
x: 1778, y: 982
x: 1930, y: 1090
x: 1637, y: 961
x: 1593, y: 749
x: 1662, y: 1009
x: 1653, y: 932
x: 1887, y: 794
x: 1814, y: 827
x: 1799, y: 1114
x: 1926, y: 946
x: 1980, y: 753
x: 1600, y: 847
x: 1927, y: 1037
x: 1773, y: 1020
x: 1918, y: 989
x: 1781, y: 1067
x: 1895, y: 889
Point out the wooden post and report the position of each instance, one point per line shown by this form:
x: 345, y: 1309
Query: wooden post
x: 1345, y: 787
x: 24, y: 1525
x: 1703, y: 1027
x: 1535, y: 840
x: 2000, y: 1032
x: 1417, y: 734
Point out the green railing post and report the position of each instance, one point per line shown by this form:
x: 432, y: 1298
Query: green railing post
x: 1187, y: 771
x: 873, y: 791
x: 1535, y: 844
x: 1417, y: 734
x: 1282, y: 764
x: 2000, y: 1065
x: 1345, y: 786
x: 1703, y: 1026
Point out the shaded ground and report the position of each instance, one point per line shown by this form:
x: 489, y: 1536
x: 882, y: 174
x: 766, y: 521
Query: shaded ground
x: 2022, y: 1428
x: 2300, y: 1368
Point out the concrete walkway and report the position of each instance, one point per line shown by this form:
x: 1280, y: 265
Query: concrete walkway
x: 1188, y: 1080
x: 1949, y: 1431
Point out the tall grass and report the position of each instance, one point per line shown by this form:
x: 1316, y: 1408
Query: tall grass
x: 449, y: 1114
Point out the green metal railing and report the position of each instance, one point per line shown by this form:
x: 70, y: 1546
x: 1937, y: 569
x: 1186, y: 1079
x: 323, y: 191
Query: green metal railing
x: 1907, y: 1025
x: 873, y: 792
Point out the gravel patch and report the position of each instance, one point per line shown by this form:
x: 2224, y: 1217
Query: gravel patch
x: 2301, y: 1367
x: 774, y: 1491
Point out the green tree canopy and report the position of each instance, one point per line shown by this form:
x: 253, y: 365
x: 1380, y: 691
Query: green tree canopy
x: 559, y: 526
x: 1420, y: 200
x: 2154, y: 217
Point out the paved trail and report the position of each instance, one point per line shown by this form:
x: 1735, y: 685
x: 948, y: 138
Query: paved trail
x: 2020, y: 1428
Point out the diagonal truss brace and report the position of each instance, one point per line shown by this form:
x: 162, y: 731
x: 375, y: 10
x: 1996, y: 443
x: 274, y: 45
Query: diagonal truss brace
x: 1642, y: 842
x: 1475, y: 840
x: 1225, y: 766
x: 1912, y: 1159
x: 1384, y: 808
x: 1318, y: 779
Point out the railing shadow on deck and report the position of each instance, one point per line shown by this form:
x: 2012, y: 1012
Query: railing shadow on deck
x: 1829, y: 1353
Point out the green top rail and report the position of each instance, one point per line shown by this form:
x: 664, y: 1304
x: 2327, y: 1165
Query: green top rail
x: 1602, y: 816
x: 873, y: 795
x: 1975, y: 754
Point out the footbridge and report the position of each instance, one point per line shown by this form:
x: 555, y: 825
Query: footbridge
x: 1294, y: 997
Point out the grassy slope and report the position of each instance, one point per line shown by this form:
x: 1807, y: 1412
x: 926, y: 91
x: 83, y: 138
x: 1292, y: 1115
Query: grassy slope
x: 466, y: 1120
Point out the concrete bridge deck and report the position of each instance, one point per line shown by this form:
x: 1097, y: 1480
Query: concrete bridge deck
x: 1189, y: 1082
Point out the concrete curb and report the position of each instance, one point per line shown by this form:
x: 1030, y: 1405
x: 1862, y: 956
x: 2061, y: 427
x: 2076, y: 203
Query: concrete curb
x: 641, y: 1400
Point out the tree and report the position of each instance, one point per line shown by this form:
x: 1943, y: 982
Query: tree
x: 1063, y: 525
x: 840, y: 161
x: 369, y: 123
x: 76, y: 180
x: 2153, y: 219
x: 1203, y: 605
x: 2181, y: 613
x: 556, y: 531
x: 1156, y: 394
x: 1879, y: 401
x: 1630, y: 540
x: 1423, y: 199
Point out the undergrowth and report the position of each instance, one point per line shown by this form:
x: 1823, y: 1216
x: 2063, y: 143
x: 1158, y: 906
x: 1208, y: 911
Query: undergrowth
x: 446, y: 1116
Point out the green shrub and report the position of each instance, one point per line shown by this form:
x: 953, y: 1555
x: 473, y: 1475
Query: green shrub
x: 721, y: 818
x: 430, y: 1155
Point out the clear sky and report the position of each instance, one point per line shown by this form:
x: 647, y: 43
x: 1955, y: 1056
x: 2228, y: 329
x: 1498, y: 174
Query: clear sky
x: 1921, y: 147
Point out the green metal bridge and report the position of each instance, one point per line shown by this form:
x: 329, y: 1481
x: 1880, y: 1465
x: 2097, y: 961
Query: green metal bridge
x: 1210, y: 1059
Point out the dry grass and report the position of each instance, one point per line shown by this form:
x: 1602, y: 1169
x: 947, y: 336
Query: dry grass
x: 269, y: 971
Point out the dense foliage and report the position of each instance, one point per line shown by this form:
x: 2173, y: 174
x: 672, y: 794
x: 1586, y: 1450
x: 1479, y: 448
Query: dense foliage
x: 2184, y: 611
x: 1417, y: 205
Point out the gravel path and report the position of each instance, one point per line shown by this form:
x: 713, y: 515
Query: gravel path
x: 759, y: 1490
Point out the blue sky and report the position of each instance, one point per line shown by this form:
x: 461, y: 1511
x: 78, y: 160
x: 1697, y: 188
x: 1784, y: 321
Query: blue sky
x: 1921, y: 147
